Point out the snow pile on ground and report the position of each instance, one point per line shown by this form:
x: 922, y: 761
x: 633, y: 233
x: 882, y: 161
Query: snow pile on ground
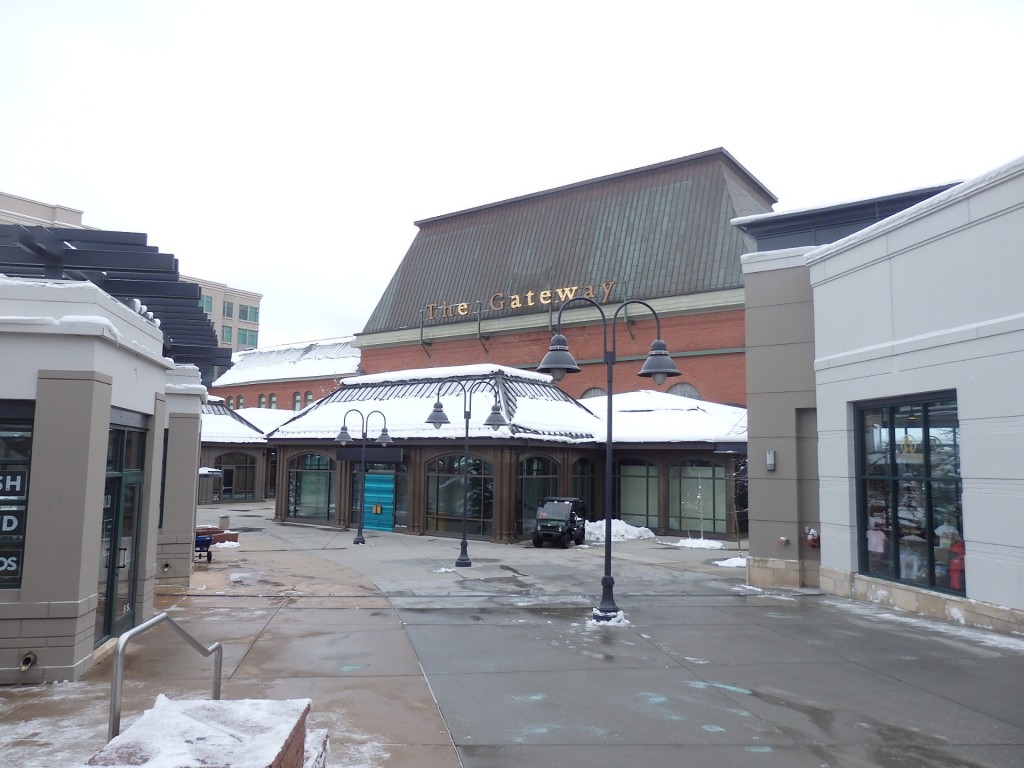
x: 620, y: 532
x: 733, y: 562
x: 695, y: 544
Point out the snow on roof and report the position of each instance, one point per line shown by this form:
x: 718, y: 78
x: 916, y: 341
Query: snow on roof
x: 292, y: 362
x: 648, y: 417
x: 531, y: 404
x: 528, y: 401
x: 265, y: 419
x: 220, y: 424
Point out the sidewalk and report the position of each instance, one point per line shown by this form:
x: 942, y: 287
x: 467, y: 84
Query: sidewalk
x: 413, y: 663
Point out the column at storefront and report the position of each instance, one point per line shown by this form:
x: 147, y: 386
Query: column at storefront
x: 506, y: 463
x: 62, y: 542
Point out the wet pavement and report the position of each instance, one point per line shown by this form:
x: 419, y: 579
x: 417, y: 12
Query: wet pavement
x: 413, y: 663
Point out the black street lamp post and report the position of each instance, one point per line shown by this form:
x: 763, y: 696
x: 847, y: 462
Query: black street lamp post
x: 344, y: 438
x: 657, y: 366
x: 494, y: 421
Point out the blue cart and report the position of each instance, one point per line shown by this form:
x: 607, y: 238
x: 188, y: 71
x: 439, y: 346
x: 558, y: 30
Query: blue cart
x: 203, y: 544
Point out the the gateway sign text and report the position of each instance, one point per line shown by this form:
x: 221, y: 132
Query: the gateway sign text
x: 499, y: 302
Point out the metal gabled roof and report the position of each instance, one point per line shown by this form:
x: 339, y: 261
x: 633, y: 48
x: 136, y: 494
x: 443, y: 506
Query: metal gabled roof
x: 531, y: 404
x: 662, y: 230
x: 333, y: 358
x: 221, y: 424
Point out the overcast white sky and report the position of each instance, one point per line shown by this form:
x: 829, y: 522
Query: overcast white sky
x: 288, y: 147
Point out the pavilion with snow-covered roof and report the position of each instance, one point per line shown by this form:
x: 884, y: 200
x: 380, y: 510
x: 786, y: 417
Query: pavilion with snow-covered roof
x: 676, y: 460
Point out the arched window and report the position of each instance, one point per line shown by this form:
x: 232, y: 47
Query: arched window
x: 308, y: 398
x: 241, y: 401
x: 697, y: 500
x: 230, y: 402
x: 273, y: 400
x: 538, y: 477
x: 593, y: 392
x: 296, y: 401
x: 637, y: 493
x: 445, y: 478
x: 261, y: 401
x: 685, y: 389
x: 311, y: 483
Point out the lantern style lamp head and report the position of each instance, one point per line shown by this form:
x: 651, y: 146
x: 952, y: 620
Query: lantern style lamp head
x: 659, y: 365
x: 558, y: 361
x: 343, y: 436
x: 438, y: 416
x: 495, y: 420
x: 384, y: 438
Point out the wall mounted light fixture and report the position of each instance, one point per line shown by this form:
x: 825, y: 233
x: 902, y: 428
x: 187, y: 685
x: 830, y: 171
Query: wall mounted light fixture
x: 769, y: 460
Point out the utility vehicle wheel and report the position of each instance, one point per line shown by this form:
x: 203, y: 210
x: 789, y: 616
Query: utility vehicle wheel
x: 563, y: 541
x: 538, y: 542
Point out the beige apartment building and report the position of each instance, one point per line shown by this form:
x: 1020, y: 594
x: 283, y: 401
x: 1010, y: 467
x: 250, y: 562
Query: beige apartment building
x: 235, y: 313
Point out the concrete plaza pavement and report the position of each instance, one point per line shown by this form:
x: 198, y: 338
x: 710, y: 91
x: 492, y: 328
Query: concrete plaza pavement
x: 413, y: 663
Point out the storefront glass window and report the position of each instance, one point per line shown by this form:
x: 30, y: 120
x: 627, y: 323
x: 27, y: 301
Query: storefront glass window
x: 637, y: 492
x: 239, y: 475
x: 909, y: 491
x: 584, y: 486
x: 15, y: 452
x: 311, y: 487
x: 538, y: 477
x: 697, y: 497
x: 444, y: 495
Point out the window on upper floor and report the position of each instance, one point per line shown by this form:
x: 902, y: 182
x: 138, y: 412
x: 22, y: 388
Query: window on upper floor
x: 247, y: 339
x: 225, y: 334
x: 206, y: 302
x: 229, y: 309
x: 249, y: 314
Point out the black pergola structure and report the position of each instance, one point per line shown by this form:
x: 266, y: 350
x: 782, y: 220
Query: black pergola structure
x: 124, y: 266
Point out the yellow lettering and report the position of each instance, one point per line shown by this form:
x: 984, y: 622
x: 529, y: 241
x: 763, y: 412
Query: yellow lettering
x: 607, y: 288
x: 529, y: 298
x: 462, y: 309
x: 497, y: 301
x: 515, y: 302
x: 588, y: 292
x: 430, y: 311
x: 565, y: 294
x: 545, y: 297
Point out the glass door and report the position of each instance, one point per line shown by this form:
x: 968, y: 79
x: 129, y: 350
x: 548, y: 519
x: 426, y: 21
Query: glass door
x: 119, y: 539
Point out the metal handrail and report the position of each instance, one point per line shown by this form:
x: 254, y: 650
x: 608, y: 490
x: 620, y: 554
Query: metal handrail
x: 114, y: 727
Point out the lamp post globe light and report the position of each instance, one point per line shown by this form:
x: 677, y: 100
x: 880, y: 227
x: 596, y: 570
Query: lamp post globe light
x: 658, y: 366
x: 344, y: 438
x: 495, y: 420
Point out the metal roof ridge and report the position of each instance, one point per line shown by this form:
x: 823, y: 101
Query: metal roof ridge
x: 601, y: 179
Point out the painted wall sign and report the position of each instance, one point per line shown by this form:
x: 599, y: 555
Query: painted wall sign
x: 502, y: 302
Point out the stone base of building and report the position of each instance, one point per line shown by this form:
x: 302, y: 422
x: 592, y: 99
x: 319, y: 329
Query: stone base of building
x: 774, y: 572
x: 922, y: 602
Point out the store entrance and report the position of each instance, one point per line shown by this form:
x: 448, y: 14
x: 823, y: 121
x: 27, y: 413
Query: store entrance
x: 119, y: 539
